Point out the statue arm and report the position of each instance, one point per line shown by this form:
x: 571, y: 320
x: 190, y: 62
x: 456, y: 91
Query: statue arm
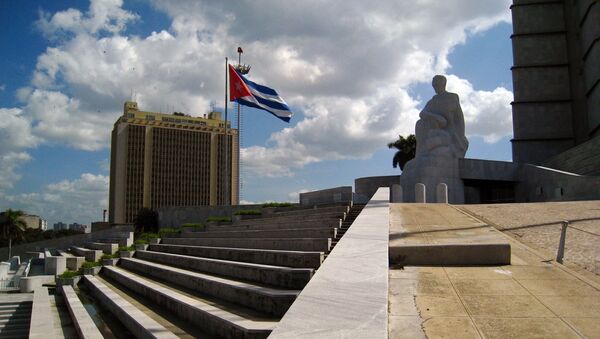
x: 439, y: 120
x: 460, y: 118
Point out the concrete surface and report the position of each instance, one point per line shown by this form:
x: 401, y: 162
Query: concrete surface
x: 538, y: 226
x: 81, y: 319
x: 439, y: 234
x: 42, y: 323
x: 215, y: 320
x: 532, y: 297
x: 137, y: 322
x: 347, y: 297
x: 265, y: 299
x: 294, y: 244
x: 297, y: 259
x: 285, y: 277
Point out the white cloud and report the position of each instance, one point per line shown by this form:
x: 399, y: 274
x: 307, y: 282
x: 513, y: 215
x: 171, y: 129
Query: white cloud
x: 15, y: 135
x: 295, y: 196
x: 347, y: 71
x: 487, y: 114
x: 103, y: 15
x: 2, y: 87
x: 80, y: 200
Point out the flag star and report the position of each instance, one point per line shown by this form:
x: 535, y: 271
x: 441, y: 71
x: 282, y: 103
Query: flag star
x: 238, y: 86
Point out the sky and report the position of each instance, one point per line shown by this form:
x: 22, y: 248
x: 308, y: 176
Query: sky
x: 355, y: 73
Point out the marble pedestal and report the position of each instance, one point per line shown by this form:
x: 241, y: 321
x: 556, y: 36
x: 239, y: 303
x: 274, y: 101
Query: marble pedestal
x: 431, y: 171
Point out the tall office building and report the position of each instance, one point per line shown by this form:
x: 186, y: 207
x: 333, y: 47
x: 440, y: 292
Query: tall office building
x: 160, y: 160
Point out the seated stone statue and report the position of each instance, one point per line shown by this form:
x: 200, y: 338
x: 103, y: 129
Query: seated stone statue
x: 440, y: 130
x: 441, y: 142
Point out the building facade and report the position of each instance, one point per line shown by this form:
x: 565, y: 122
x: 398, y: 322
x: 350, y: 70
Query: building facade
x: 160, y: 160
x: 556, y: 82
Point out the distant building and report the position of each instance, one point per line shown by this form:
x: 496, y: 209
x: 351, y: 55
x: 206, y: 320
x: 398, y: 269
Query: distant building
x: 32, y: 221
x: 556, y: 81
x: 79, y: 227
x: 160, y: 160
x: 60, y: 226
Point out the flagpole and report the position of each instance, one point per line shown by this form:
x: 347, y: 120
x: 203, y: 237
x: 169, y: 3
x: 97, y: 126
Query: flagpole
x: 226, y: 188
x: 239, y: 135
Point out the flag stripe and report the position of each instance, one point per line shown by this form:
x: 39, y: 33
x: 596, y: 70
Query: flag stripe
x: 259, y: 96
x: 284, y: 115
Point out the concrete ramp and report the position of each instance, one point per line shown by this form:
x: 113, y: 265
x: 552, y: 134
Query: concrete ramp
x: 442, y: 235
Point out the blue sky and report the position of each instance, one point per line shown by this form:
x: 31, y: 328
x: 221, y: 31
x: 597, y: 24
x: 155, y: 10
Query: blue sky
x: 354, y: 83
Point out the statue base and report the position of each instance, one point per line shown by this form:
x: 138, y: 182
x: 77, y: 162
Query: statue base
x: 432, y: 170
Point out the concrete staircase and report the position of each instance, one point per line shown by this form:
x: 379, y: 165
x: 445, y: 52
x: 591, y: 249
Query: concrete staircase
x: 230, y: 281
x: 14, y: 318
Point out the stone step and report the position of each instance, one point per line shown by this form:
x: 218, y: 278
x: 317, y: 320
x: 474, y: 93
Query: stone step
x: 120, y: 241
x: 105, y: 247
x: 89, y: 254
x: 312, y: 211
x: 218, y: 321
x: 263, y: 299
x: 17, y: 306
x: 81, y: 319
x: 284, y: 277
x: 132, y: 318
x: 309, y: 218
x: 273, y: 225
x: 290, y: 244
x: 15, y: 317
x: 287, y: 233
x: 14, y: 333
x: 298, y: 259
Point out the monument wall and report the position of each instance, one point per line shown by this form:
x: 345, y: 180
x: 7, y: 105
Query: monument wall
x: 555, y: 78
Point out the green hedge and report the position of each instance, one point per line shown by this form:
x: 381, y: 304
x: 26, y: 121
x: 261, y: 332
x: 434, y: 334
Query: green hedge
x: 248, y: 212
x: 277, y: 204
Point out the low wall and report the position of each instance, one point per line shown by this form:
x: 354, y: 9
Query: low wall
x: 367, y: 186
x: 348, y: 296
x: 61, y: 243
x: 175, y: 216
x: 582, y: 159
x: 539, y: 184
x: 327, y: 196
x: 478, y: 169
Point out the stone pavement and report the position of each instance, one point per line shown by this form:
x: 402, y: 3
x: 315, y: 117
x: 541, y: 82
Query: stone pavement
x: 530, y: 298
x: 522, y: 222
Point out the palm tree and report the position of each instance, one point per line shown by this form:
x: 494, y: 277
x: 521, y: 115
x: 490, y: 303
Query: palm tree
x: 12, y: 227
x: 406, y: 147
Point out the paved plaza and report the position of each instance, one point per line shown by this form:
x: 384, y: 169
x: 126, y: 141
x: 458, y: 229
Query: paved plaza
x: 530, y: 298
x: 538, y: 226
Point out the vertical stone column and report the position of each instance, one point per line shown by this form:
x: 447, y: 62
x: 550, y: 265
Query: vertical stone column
x: 396, y: 193
x: 442, y: 193
x: 420, y: 193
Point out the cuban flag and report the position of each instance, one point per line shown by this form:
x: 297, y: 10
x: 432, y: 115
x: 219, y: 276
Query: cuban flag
x: 249, y: 93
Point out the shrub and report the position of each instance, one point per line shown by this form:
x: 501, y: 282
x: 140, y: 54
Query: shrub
x: 168, y: 231
x: 126, y: 248
x: 69, y: 274
x: 195, y: 226
x: 141, y: 242
x: 90, y: 264
x: 107, y: 256
x: 248, y: 212
x: 277, y: 204
x: 146, y: 236
x: 218, y: 219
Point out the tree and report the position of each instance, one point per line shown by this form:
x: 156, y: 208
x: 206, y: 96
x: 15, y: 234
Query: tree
x: 406, y: 147
x: 146, y: 221
x: 13, y: 227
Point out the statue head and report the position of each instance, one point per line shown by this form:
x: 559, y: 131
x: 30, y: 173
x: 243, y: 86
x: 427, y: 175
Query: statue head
x: 439, y: 84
